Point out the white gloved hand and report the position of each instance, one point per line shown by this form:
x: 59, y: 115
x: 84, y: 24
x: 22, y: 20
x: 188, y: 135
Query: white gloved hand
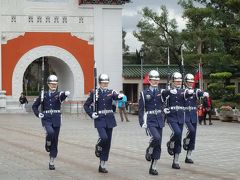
x: 173, y: 91
x: 206, y: 94
x: 94, y: 115
x: 190, y: 91
x: 40, y: 115
x: 120, y: 96
x: 67, y: 93
x: 144, y: 126
x: 166, y: 110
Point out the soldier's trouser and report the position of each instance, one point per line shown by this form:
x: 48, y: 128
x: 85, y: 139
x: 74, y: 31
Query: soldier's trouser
x: 192, y: 129
x: 176, y: 136
x: 156, y: 135
x: 52, y: 135
x: 105, y: 135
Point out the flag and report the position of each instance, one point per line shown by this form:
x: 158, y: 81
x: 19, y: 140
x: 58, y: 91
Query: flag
x: 196, y: 79
x: 146, y: 79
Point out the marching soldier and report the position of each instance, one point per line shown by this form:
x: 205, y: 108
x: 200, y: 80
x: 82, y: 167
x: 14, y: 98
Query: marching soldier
x: 175, y: 119
x: 151, y: 118
x: 191, y: 118
x: 51, y: 116
x: 104, y: 119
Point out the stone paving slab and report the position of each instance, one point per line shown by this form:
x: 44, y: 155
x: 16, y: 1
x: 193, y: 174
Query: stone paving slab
x: 22, y: 155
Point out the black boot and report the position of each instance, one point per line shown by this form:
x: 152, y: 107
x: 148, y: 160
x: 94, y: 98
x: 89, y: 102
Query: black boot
x: 48, y: 146
x: 51, y: 167
x: 148, y: 154
x: 186, y: 142
x: 102, y: 170
x: 169, y: 149
x: 175, y: 166
x: 98, y: 150
x: 188, y: 160
x: 153, y: 171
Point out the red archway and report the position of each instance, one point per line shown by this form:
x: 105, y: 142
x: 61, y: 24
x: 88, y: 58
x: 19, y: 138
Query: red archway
x: 16, y: 48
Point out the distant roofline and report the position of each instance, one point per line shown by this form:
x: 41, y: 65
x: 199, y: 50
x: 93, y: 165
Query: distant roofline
x: 107, y: 2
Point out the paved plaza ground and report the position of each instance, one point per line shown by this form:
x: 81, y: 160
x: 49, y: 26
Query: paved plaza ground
x: 22, y: 154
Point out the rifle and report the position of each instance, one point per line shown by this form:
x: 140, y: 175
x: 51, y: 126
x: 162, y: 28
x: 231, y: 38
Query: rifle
x: 168, y: 70
x: 182, y: 66
x: 42, y: 90
x: 95, y: 93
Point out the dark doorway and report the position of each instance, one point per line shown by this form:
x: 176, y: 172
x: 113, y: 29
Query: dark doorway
x: 131, y: 91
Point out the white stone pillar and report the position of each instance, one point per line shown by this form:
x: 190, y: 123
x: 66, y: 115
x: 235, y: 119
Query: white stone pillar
x: 0, y: 48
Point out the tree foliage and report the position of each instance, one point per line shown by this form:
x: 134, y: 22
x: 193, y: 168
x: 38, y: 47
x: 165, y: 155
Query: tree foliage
x: 158, y: 32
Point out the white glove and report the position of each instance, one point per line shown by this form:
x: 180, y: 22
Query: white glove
x: 94, y: 115
x: 206, y: 94
x: 40, y: 115
x: 166, y: 110
x: 190, y: 91
x: 173, y: 91
x: 67, y: 93
x: 120, y: 96
x: 144, y: 125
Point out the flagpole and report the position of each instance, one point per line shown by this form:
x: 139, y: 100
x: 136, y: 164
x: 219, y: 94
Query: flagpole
x: 201, y: 76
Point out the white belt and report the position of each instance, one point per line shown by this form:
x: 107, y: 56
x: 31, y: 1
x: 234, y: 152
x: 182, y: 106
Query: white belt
x: 105, y: 111
x: 51, y: 111
x: 177, y: 108
x: 190, y: 108
x: 156, y: 111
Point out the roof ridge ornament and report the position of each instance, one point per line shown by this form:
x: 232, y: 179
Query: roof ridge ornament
x: 109, y: 2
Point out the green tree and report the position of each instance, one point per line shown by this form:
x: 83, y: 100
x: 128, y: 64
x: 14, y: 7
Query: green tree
x: 125, y: 47
x: 158, y: 32
x: 213, y: 33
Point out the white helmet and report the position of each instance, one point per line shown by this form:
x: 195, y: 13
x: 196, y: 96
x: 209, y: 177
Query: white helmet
x: 103, y: 78
x: 189, y: 78
x: 52, y: 79
x: 176, y: 76
x: 154, y: 75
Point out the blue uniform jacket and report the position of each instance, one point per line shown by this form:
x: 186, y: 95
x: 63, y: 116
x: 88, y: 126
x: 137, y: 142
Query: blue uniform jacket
x: 191, y: 106
x: 176, y: 105
x: 104, y: 103
x: 151, y: 102
x: 50, y: 102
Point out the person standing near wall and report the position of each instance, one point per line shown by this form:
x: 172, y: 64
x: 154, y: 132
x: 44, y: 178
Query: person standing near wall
x: 23, y: 101
x: 122, y: 107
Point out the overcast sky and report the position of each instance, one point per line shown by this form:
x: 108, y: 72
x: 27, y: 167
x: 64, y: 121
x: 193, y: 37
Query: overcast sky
x: 131, y: 16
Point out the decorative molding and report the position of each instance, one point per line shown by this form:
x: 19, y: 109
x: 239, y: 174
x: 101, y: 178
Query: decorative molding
x: 54, y: 51
x: 89, y: 37
x: 8, y: 36
x: 109, y: 2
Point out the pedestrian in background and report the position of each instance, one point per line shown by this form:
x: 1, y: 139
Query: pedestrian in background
x: 23, y: 101
x: 122, y: 106
x: 201, y: 113
x: 207, y: 105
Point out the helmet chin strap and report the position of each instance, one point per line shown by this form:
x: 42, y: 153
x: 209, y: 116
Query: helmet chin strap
x: 53, y: 89
x: 155, y: 85
x: 177, y: 86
